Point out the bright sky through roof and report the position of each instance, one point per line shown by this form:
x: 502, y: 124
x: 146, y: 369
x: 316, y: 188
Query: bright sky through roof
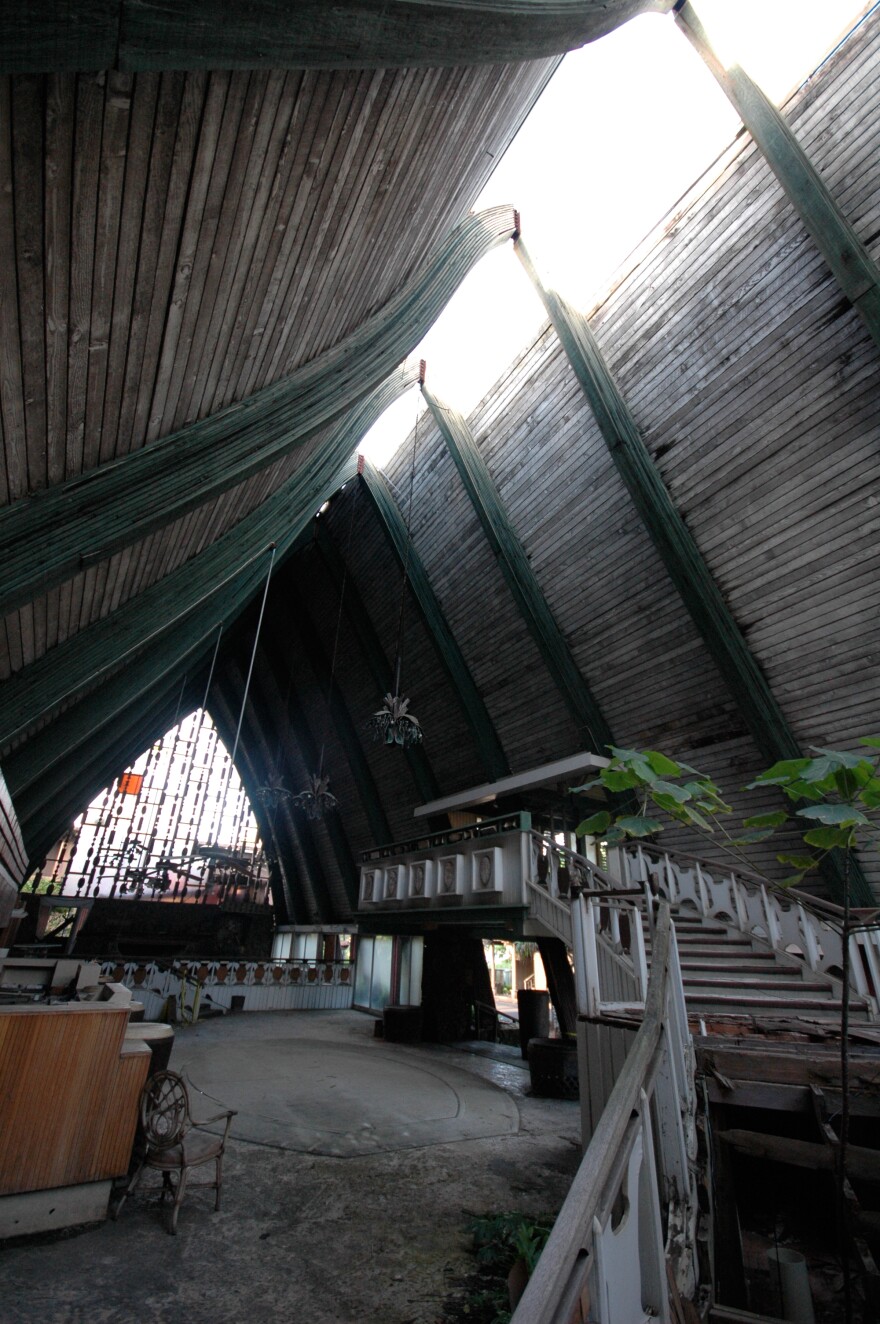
x: 623, y: 129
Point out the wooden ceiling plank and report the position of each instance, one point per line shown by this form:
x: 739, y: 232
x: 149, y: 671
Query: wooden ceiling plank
x: 114, y: 146
x: 332, y: 201
x: 189, y: 113
x: 141, y: 124
x: 11, y: 380
x: 256, y: 233
x: 60, y: 119
x: 154, y: 265
x: 322, y: 111
x: 268, y: 243
x: 313, y: 100
x: 86, y: 167
x: 676, y: 545
x: 210, y: 304
x: 368, y: 209
x: 153, y: 486
x: 201, y: 192
x: 27, y: 147
x: 259, y: 174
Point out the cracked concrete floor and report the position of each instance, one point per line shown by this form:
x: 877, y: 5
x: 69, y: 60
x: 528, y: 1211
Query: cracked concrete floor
x: 331, y: 1214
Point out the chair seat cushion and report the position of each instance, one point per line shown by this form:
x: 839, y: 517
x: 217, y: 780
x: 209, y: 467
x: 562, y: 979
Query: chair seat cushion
x: 196, y: 1147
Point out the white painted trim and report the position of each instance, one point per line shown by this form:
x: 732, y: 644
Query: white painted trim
x: 547, y: 774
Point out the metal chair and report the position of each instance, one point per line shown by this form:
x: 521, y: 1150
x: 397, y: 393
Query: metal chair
x: 172, y: 1141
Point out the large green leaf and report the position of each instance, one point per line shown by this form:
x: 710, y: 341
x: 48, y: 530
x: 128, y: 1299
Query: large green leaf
x: 638, y: 825
x: 594, y: 825
x: 751, y: 838
x: 873, y: 741
x: 803, y: 862
x: 679, y: 794
x: 620, y: 779
x: 826, y: 838
x: 783, y: 771
x: 834, y: 815
x: 663, y: 766
x: 774, y: 819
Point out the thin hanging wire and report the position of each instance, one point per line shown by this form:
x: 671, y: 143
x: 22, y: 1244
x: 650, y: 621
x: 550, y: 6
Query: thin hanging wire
x: 317, y: 799
x: 394, y: 724
x: 244, y: 697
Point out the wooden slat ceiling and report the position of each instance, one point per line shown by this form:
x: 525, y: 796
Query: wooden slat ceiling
x: 172, y: 243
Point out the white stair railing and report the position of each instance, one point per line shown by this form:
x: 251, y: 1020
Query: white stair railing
x: 790, y: 922
x: 606, y: 1256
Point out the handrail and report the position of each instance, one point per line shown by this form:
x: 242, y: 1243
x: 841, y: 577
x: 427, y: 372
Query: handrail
x: 518, y: 821
x: 560, y: 1273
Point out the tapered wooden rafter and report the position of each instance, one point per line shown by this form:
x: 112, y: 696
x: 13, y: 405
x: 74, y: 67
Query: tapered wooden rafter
x: 99, y: 512
x: 214, y: 586
x: 684, y: 562
x: 593, y: 730
x: 474, y: 708
x: 846, y: 255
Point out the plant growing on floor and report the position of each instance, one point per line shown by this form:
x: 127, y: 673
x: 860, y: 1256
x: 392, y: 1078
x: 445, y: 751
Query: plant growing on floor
x: 500, y: 1241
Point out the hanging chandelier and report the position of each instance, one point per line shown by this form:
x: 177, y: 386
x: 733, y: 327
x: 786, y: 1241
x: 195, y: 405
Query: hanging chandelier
x: 393, y: 724
x: 316, y: 800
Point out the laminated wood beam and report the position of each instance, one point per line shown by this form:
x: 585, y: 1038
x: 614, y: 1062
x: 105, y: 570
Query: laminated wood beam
x: 593, y: 730
x: 450, y: 655
x: 846, y: 255
x: 301, y: 832
x: 99, y: 512
x: 370, y: 644
x: 278, y: 663
x: 138, y: 35
x: 49, y: 806
x: 218, y: 582
x: 346, y: 730
x: 679, y: 552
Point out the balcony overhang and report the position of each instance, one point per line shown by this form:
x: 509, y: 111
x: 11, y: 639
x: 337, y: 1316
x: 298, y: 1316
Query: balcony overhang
x: 558, y: 773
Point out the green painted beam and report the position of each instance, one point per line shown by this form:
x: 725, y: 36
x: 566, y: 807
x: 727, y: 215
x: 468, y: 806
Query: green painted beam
x: 300, y: 831
x: 593, y: 730
x: 846, y: 255
x: 135, y: 35
x: 303, y: 629
x: 49, y: 806
x: 674, y: 541
x: 218, y: 582
x: 291, y: 716
x: 451, y: 657
x: 97, y: 513
x: 380, y: 668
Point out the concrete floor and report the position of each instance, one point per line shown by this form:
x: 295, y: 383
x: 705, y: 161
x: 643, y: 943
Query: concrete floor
x: 350, y: 1176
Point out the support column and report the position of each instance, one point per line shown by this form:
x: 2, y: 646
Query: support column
x: 853, y: 268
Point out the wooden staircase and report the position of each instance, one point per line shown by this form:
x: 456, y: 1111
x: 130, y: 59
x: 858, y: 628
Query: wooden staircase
x: 724, y: 972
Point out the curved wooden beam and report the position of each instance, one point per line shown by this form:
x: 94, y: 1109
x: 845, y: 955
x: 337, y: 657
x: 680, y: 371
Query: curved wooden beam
x: 95, y: 514
x: 593, y: 730
x: 850, y: 262
x: 684, y: 562
x: 474, y: 708
x: 217, y: 583
x: 135, y: 35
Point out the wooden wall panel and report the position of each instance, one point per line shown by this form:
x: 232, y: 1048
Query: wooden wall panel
x: 69, y: 1091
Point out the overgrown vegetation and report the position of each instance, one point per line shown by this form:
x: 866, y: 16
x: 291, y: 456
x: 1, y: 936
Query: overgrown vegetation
x: 500, y: 1242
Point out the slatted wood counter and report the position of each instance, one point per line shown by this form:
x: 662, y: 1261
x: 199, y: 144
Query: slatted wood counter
x: 69, y: 1089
